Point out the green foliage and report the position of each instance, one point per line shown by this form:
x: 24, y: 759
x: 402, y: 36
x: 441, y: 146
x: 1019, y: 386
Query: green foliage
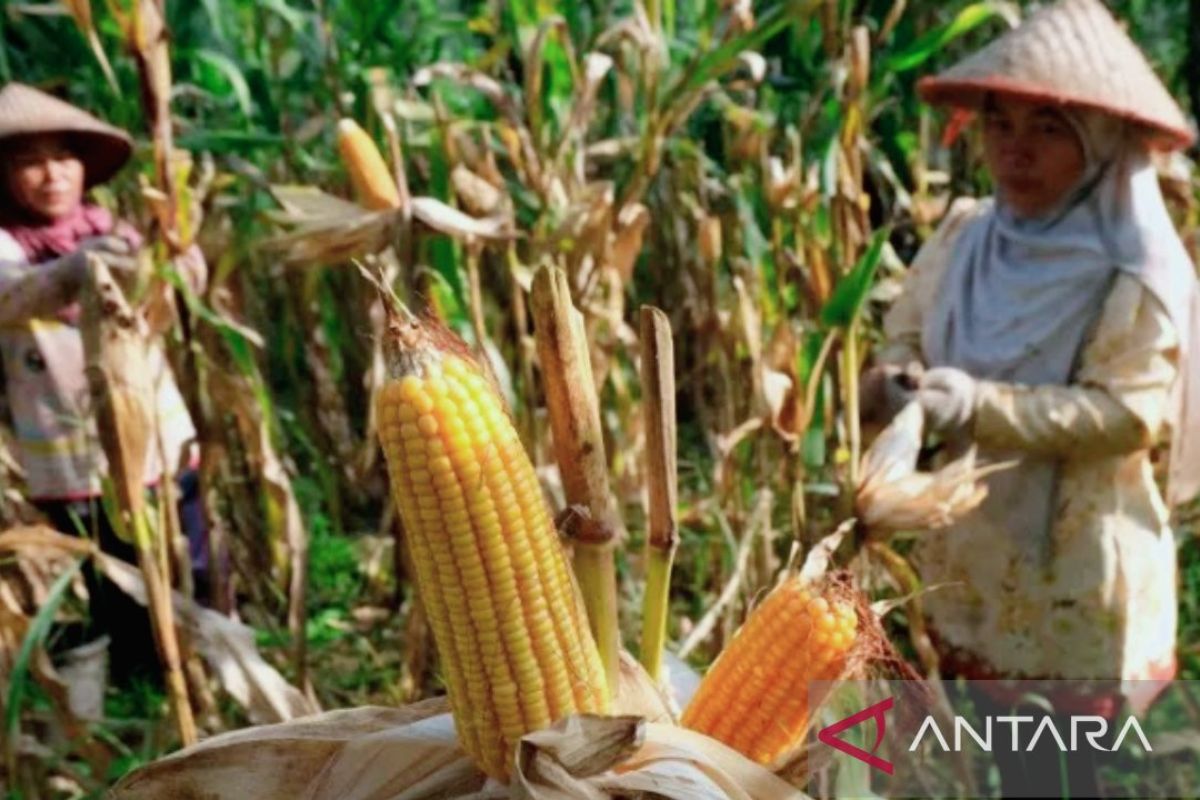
x: 851, y: 292
x: 35, y: 638
x: 259, y: 85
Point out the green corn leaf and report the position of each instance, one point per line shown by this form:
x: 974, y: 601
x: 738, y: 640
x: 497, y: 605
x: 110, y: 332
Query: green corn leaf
x: 232, y: 74
x: 852, y: 290
x: 933, y: 41
x: 34, y: 638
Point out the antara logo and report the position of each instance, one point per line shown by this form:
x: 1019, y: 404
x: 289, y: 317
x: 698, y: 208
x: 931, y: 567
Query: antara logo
x: 1045, y: 727
x: 876, y: 712
x: 1096, y: 728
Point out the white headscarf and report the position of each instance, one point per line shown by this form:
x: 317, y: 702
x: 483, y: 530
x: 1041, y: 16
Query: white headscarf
x: 1021, y: 295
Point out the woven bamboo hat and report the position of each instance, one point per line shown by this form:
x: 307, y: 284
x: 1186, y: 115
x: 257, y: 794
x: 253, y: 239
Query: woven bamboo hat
x: 25, y: 111
x: 1072, y: 52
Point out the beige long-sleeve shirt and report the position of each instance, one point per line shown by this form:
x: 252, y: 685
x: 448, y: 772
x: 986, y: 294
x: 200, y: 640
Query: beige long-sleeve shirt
x: 1106, y: 605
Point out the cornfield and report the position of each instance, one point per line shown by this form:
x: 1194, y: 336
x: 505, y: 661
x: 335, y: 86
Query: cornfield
x: 483, y: 277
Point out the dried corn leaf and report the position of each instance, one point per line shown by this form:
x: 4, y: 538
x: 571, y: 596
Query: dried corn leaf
x: 636, y: 693
x: 595, y: 67
x: 489, y: 87
x: 820, y: 556
x: 783, y: 403
x: 81, y: 11
x: 226, y: 645
x: 631, y: 226
x: 477, y: 194
x: 308, y: 203
x: 327, y: 229
x: 449, y: 220
x: 119, y: 378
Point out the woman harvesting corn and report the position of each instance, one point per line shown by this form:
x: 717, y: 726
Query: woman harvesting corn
x: 1057, y: 323
x: 51, y: 153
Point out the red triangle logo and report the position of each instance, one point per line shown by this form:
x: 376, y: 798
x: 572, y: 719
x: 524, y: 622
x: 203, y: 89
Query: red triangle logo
x: 876, y: 712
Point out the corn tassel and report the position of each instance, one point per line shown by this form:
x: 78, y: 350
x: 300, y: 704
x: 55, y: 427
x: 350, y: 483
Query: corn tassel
x: 508, y: 620
x: 373, y: 182
x: 755, y: 698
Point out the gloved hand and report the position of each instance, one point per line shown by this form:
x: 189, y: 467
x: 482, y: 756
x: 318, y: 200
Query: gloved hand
x: 885, y: 389
x: 947, y: 396
x: 116, y: 252
x: 65, y: 275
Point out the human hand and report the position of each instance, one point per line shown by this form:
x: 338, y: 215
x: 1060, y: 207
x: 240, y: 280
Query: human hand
x: 885, y: 389
x: 947, y: 396
x: 116, y: 252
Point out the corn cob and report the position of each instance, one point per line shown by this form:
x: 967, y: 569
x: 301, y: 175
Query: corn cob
x: 755, y: 698
x: 508, y: 620
x: 373, y: 182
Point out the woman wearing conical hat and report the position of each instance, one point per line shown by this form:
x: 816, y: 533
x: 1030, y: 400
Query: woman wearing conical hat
x: 1058, y: 323
x: 51, y: 153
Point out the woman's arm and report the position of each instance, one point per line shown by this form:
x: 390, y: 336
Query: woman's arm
x: 28, y: 291
x: 1120, y: 396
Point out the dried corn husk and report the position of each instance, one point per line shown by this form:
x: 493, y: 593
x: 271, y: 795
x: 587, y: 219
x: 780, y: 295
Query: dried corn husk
x: 116, y: 347
x: 894, y: 496
x: 408, y: 753
x: 478, y: 195
x: 326, y: 229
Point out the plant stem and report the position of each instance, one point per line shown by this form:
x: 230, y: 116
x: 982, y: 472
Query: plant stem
x: 850, y: 382
x: 658, y: 404
x: 579, y: 449
x: 475, y: 299
x: 158, y: 601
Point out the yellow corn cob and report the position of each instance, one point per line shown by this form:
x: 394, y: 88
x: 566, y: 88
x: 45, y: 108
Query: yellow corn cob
x: 755, y: 698
x: 508, y: 620
x: 374, y: 184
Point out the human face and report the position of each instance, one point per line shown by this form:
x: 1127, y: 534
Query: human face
x: 1033, y: 153
x: 45, y: 177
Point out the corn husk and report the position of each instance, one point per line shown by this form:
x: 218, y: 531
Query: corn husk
x: 327, y: 229
x: 411, y: 753
x: 117, y: 352
x: 894, y: 496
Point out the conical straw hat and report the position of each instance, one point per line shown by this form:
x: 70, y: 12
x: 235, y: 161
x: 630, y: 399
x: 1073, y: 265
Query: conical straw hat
x: 1072, y: 52
x: 25, y: 111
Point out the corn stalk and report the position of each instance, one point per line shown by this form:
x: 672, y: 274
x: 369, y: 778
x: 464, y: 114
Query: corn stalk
x: 658, y: 404
x: 579, y: 447
x: 123, y: 396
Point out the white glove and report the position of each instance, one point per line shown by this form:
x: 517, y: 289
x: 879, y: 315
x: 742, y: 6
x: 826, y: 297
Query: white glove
x: 947, y: 396
x: 116, y: 253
